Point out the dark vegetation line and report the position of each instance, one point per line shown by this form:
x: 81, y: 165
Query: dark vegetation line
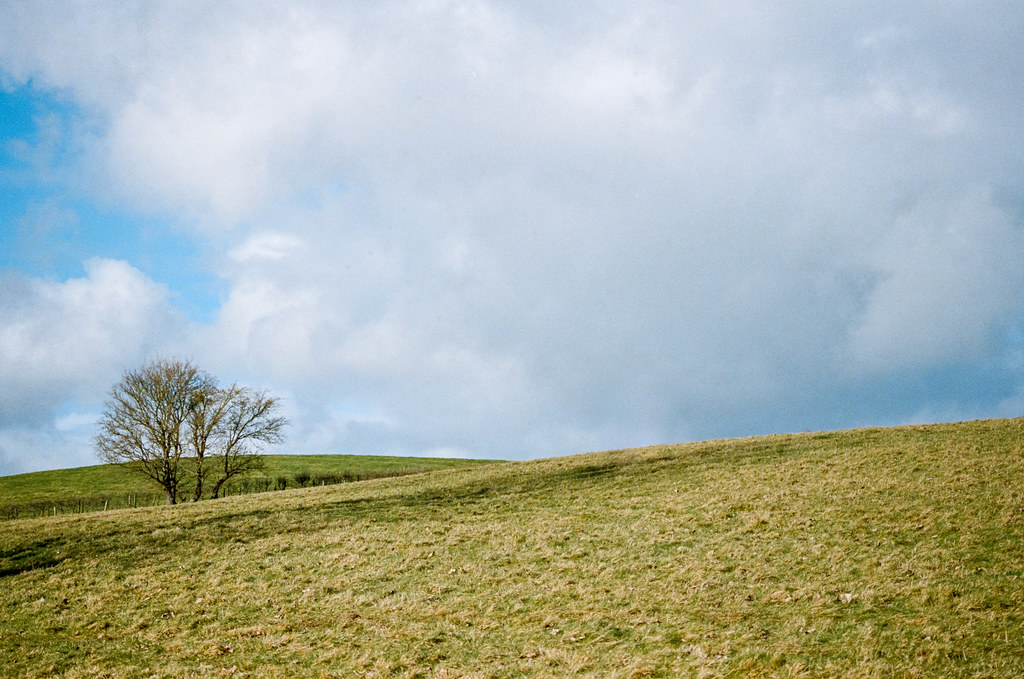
x: 242, y: 486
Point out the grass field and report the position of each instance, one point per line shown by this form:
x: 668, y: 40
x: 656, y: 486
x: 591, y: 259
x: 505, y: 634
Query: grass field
x: 92, y: 488
x: 866, y: 553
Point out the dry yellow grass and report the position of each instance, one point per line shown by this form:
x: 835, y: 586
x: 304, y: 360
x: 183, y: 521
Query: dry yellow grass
x: 868, y: 553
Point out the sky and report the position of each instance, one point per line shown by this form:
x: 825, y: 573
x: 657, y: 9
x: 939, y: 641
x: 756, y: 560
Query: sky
x: 513, y: 229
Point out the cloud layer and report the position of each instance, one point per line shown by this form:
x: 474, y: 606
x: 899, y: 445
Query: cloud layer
x: 501, y: 229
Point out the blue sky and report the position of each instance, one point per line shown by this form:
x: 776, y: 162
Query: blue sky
x: 498, y: 230
x: 51, y: 226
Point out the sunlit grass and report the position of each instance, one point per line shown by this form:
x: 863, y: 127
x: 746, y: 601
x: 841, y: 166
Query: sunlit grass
x: 110, y: 486
x: 883, y: 552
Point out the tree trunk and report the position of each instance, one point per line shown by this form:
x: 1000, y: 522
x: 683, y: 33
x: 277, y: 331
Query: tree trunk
x: 216, y: 488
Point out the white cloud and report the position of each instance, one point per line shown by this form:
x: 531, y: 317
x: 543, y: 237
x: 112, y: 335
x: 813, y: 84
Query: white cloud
x: 76, y: 421
x: 63, y: 344
x: 266, y: 247
x: 63, y: 340
x: 269, y: 323
x: 27, y: 449
x: 516, y: 230
x: 950, y: 276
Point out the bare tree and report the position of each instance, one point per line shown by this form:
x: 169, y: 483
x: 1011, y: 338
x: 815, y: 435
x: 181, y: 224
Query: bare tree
x: 171, y: 422
x: 143, y: 422
x: 205, y: 415
x: 249, y: 421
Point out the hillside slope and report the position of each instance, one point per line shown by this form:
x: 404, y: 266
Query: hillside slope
x: 109, y: 485
x: 874, y: 552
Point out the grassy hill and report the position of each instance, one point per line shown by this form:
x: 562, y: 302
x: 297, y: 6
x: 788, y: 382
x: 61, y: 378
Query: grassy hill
x: 106, y: 485
x: 866, y: 553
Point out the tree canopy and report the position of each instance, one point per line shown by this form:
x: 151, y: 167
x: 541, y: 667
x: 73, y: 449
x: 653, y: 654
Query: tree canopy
x: 171, y: 421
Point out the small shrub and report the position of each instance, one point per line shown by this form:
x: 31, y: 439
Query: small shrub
x: 302, y: 478
x: 332, y: 478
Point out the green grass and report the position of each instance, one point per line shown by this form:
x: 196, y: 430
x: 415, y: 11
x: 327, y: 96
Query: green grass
x: 93, y: 488
x: 867, y: 553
